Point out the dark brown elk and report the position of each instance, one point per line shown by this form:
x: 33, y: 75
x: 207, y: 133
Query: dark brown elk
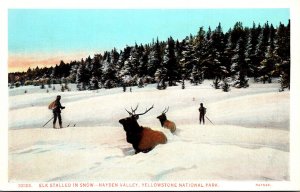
x: 165, y: 122
x: 143, y: 139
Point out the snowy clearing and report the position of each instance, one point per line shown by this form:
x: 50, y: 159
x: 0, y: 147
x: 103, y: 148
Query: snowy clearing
x: 248, y: 141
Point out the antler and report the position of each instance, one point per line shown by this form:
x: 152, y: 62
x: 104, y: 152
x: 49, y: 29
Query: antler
x: 128, y: 112
x: 146, y: 110
x: 166, y: 110
x: 132, y: 110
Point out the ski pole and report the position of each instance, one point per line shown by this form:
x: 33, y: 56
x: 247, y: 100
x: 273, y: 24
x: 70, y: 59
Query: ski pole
x: 48, y: 121
x: 209, y: 120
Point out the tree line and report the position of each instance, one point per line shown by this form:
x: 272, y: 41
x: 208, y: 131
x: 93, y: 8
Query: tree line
x: 228, y: 58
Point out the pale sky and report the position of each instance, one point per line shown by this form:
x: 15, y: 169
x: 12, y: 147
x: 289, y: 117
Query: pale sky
x: 43, y: 37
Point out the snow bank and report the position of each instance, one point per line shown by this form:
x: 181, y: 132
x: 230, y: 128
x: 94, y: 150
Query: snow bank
x: 102, y: 154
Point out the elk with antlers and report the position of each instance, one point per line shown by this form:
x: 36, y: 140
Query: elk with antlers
x: 143, y: 139
x: 165, y: 122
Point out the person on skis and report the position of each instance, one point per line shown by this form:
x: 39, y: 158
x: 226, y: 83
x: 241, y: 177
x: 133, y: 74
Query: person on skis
x: 56, y: 112
x: 202, y: 111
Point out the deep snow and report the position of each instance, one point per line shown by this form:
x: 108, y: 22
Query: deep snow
x: 248, y: 141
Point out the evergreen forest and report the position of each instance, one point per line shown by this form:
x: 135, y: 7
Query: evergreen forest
x: 229, y: 59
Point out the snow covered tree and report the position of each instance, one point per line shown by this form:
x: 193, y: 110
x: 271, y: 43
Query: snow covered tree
x: 261, y: 50
x: 143, y: 62
x: 267, y: 66
x: 239, y: 66
x: 282, y: 55
x: 190, y: 63
x: 42, y: 85
x: 129, y: 70
x: 123, y: 56
x: 160, y: 77
x: 250, y: 54
x: 170, y: 63
x: 94, y: 83
x: 216, y: 49
x: 228, y: 53
x: 73, y: 71
x: 186, y: 60
x: 225, y: 84
x: 154, y: 59
x: 96, y: 70
x: 82, y: 79
x: 89, y: 65
x: 182, y: 84
x: 200, y: 56
x: 216, y: 83
x: 109, y: 78
x: 140, y: 82
x: 197, y: 74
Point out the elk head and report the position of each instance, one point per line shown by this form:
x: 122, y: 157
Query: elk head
x: 162, y: 118
x: 130, y: 123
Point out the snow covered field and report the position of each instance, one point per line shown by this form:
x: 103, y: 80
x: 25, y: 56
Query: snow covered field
x: 248, y: 141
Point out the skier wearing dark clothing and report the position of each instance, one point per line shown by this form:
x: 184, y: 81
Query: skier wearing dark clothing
x: 57, y: 111
x: 202, y: 111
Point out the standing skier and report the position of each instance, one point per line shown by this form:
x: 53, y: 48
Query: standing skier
x: 202, y: 111
x: 57, y: 111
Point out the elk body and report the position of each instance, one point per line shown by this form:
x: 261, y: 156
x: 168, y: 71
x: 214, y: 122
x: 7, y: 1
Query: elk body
x: 165, y: 122
x: 143, y: 139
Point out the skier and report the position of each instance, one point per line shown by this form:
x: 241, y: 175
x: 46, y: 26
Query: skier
x: 202, y: 111
x: 56, y: 112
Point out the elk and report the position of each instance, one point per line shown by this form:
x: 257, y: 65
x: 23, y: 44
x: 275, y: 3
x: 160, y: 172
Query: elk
x: 165, y: 122
x: 143, y: 139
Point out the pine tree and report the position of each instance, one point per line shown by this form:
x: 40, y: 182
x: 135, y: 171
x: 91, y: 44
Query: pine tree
x: 143, y: 63
x: 239, y: 66
x: 129, y: 70
x: 73, y: 71
x: 228, y: 53
x: 215, y: 55
x: 123, y: 56
x: 82, y: 79
x: 225, y: 84
x: 216, y: 83
x: 261, y: 50
x: 109, y: 72
x: 186, y: 61
x: 190, y: 63
x: 88, y: 65
x: 170, y: 63
x: 42, y: 85
x: 94, y: 84
x: 282, y: 55
x: 200, y: 43
x: 97, y: 69
x: 267, y: 66
x: 114, y: 54
x: 197, y: 74
x: 160, y: 77
x: 140, y: 82
x: 182, y: 84
x: 252, y: 41
x: 154, y: 59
